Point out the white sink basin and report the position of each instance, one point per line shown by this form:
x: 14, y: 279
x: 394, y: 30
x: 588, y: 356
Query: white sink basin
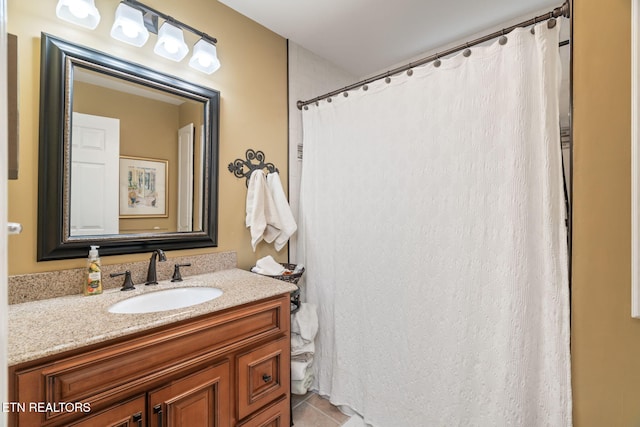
x: 168, y: 299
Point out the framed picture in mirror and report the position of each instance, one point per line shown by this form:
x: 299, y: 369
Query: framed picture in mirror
x: 143, y: 187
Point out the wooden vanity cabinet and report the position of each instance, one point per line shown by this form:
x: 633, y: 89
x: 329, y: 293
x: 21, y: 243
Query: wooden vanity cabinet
x: 226, y: 369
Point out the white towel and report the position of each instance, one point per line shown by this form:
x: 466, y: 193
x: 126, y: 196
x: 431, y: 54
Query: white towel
x: 268, y: 266
x: 262, y: 217
x: 305, y: 322
x: 299, y: 369
x: 298, y: 346
x: 287, y: 222
x: 304, y: 357
x: 302, y: 386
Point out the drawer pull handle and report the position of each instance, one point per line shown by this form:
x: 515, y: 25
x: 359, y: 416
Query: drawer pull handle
x: 158, y: 410
x: 266, y: 378
x: 137, y: 418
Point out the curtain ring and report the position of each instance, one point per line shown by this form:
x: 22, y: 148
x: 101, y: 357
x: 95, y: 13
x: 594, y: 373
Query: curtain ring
x: 345, y: 93
x: 535, y: 21
x: 306, y: 107
x: 365, y: 87
x: 503, y: 39
x: 467, y: 51
x: 409, y: 72
x: 551, y: 23
x: 329, y: 99
x: 387, y: 79
x: 437, y: 62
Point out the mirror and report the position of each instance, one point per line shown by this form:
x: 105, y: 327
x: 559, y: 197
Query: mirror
x: 128, y: 156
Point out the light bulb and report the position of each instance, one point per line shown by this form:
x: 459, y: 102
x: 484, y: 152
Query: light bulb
x: 128, y: 26
x: 205, y: 57
x: 171, y: 46
x: 204, y: 60
x: 130, y: 29
x: 79, y: 10
x: 171, y: 43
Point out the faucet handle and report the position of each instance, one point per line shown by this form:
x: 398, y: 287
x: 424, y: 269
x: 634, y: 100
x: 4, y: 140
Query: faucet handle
x: 128, y: 283
x: 177, y: 277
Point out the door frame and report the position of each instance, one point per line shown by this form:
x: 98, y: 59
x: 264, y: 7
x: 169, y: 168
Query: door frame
x: 4, y: 171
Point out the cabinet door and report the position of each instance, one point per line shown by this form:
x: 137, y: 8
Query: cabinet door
x: 127, y: 414
x: 263, y: 376
x: 200, y: 399
x: 276, y: 415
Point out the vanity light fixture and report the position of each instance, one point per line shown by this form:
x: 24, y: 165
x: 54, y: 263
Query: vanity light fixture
x: 79, y: 12
x: 134, y: 21
x: 171, y: 43
x: 205, y: 57
x: 129, y: 26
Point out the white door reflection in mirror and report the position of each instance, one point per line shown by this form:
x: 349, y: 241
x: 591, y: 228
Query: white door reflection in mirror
x: 185, y: 177
x: 94, y: 168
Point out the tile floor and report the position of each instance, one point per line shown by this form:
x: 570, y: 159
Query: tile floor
x: 311, y: 410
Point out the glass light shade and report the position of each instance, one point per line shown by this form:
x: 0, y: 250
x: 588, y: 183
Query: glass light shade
x: 171, y: 43
x: 79, y: 12
x: 129, y: 26
x: 205, y: 57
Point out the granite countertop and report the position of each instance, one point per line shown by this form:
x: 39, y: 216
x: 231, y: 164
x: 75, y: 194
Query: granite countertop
x: 43, y: 328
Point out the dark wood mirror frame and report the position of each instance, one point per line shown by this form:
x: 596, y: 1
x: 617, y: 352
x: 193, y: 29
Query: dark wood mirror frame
x: 56, y: 77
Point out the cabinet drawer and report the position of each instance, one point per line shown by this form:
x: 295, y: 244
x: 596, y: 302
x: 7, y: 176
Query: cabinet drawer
x: 276, y: 415
x: 128, y: 414
x: 263, y: 375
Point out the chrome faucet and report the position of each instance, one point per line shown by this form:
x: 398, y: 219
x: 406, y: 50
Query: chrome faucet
x: 152, y: 278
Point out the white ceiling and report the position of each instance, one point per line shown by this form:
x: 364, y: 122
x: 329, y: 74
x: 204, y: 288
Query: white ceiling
x: 369, y: 36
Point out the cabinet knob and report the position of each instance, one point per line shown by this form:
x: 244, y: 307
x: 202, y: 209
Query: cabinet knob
x: 137, y: 418
x: 266, y: 378
x: 158, y: 411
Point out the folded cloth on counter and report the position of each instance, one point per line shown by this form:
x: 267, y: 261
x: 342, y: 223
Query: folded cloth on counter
x: 268, y: 266
x: 302, y: 386
x: 299, y: 368
x: 287, y: 222
x: 262, y: 217
x: 304, y: 322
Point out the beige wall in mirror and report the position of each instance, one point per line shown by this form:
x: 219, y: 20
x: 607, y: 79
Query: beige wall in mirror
x: 148, y: 130
x: 252, y: 82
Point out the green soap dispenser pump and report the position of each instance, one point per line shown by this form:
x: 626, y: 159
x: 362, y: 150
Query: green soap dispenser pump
x: 93, y: 282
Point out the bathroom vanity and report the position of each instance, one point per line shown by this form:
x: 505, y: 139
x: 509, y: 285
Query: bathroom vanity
x: 222, y: 363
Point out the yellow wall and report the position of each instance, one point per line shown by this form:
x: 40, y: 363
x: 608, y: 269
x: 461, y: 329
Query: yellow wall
x: 605, y: 339
x: 252, y: 82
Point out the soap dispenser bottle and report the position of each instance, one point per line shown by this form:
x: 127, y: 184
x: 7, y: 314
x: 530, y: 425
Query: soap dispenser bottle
x: 93, y: 282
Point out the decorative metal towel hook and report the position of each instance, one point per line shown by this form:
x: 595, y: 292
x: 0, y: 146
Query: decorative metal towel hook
x: 238, y: 165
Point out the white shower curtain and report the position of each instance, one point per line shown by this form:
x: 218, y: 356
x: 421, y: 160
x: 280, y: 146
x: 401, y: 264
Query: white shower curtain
x: 432, y: 227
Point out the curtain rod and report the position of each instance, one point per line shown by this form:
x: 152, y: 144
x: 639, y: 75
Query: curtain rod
x: 563, y: 11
